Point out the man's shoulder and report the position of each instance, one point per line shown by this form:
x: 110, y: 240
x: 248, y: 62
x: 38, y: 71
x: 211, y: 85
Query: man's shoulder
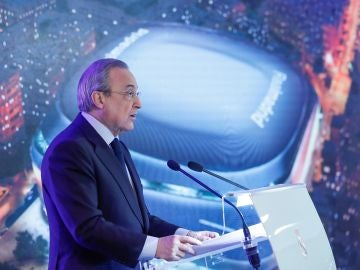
x: 71, y: 137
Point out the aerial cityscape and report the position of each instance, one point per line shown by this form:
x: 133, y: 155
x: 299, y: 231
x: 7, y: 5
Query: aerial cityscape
x: 45, y: 43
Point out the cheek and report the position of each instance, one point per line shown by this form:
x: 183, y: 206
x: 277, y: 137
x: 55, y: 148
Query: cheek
x: 127, y: 110
x: 123, y: 114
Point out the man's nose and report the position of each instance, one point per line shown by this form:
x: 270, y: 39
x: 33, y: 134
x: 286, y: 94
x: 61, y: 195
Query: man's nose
x: 137, y: 102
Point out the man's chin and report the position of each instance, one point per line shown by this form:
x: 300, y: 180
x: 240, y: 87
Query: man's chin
x: 129, y: 127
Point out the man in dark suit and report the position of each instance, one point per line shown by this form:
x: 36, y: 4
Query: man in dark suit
x: 93, y: 195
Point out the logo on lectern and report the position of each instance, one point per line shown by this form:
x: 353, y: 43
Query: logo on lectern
x: 301, y: 243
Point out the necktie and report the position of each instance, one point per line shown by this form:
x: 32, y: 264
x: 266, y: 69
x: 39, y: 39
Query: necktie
x: 116, y: 146
x: 119, y: 149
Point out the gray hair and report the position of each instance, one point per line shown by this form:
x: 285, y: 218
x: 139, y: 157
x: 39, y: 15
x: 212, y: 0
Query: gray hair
x: 95, y: 78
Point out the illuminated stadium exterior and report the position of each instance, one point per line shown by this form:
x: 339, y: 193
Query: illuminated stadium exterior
x: 224, y: 103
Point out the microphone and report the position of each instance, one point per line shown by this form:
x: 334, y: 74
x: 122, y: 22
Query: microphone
x: 250, y: 248
x: 199, y: 168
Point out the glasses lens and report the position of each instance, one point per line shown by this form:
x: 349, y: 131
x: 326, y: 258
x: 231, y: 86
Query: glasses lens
x: 134, y: 94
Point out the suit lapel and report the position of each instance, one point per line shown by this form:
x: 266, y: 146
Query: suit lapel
x: 109, y: 160
x: 112, y: 164
x: 138, y: 187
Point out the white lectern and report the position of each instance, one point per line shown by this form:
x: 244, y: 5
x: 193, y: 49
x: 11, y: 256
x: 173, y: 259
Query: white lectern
x: 289, y: 225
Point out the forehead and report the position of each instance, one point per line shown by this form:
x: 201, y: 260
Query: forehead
x: 121, y: 77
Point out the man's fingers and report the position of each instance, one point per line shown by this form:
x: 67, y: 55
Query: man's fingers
x: 175, y: 247
x: 201, y: 237
x: 187, y: 248
x: 204, y: 238
x: 190, y: 240
x: 213, y: 234
x: 180, y: 253
x: 174, y: 258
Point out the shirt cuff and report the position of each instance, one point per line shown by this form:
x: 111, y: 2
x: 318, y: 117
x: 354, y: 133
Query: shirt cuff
x: 149, y: 250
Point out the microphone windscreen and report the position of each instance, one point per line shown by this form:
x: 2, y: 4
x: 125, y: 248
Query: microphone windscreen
x: 172, y: 164
x: 195, y: 166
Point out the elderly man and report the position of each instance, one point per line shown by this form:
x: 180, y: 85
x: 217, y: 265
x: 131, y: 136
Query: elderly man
x: 92, y: 192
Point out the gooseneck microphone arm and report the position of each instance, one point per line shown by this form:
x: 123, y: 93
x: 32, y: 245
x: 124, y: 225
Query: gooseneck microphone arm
x: 199, y: 168
x: 250, y: 248
x: 176, y: 167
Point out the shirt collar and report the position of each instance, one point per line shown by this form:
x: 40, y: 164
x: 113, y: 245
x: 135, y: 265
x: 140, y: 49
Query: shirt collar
x: 100, y: 128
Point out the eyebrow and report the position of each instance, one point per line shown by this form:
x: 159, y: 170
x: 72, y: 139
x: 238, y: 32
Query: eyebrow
x: 132, y: 85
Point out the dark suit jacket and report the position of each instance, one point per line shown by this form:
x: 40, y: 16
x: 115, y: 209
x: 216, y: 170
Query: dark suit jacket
x: 96, y: 220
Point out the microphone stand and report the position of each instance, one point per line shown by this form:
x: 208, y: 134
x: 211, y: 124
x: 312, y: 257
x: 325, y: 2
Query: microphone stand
x: 250, y: 249
x: 224, y: 179
x: 199, y: 168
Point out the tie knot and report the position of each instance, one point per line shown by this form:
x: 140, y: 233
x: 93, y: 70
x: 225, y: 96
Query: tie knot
x: 116, y: 146
x: 115, y: 143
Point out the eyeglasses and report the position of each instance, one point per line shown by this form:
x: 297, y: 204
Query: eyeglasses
x: 131, y: 95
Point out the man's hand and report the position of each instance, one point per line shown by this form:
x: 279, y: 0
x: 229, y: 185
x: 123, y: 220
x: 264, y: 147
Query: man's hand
x: 174, y: 247
x: 203, y: 235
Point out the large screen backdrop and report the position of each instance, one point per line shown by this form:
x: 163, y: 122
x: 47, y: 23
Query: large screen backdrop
x: 261, y: 92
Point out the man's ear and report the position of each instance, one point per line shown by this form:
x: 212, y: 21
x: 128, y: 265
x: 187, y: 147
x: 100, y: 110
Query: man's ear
x: 98, y: 99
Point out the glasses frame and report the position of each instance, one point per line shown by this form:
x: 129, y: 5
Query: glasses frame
x: 130, y: 95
